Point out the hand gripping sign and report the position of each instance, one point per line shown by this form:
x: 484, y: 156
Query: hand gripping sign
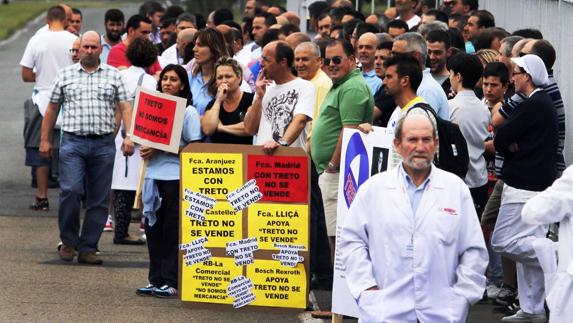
x: 157, y: 120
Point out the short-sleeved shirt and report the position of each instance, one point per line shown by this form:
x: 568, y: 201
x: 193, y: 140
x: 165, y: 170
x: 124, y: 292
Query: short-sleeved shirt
x: 349, y: 102
x: 105, y: 48
x: 281, y: 103
x: 201, y: 96
x: 117, y: 58
x: 230, y: 118
x: 165, y: 166
x: 88, y: 99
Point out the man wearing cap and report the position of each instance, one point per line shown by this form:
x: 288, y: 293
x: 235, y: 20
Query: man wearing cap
x: 528, y: 142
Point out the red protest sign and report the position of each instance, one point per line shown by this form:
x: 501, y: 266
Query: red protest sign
x: 154, y: 118
x: 280, y: 178
x: 157, y: 120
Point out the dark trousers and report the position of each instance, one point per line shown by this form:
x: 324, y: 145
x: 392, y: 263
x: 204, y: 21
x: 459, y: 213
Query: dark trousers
x: 479, y: 197
x: 163, y: 237
x: 320, y: 260
x: 122, y: 205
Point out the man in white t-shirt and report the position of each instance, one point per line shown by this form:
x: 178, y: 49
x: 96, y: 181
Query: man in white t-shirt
x: 283, y: 103
x: 406, y: 12
x: 46, y: 53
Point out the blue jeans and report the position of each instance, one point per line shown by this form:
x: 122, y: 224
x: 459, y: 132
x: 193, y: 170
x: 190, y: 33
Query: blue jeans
x: 86, y: 169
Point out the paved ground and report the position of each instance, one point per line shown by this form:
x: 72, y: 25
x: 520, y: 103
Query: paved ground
x: 36, y: 286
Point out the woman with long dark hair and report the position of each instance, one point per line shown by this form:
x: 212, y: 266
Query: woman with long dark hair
x: 160, y: 194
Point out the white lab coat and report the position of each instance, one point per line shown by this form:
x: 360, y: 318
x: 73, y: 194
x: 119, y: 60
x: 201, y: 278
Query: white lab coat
x: 555, y: 204
x: 429, y: 267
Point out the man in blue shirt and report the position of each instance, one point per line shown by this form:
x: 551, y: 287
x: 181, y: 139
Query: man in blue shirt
x: 365, y: 52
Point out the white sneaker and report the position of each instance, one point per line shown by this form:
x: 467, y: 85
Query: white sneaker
x: 521, y: 316
x: 492, y: 291
x: 108, y: 224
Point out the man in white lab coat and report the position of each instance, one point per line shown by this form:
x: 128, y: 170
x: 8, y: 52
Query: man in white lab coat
x: 412, y: 246
x: 555, y: 204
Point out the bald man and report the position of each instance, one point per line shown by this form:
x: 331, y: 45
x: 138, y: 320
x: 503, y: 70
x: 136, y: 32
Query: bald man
x: 365, y: 52
x: 92, y: 90
x: 294, y: 39
x: 176, y: 52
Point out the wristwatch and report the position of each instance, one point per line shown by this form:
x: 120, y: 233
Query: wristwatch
x: 282, y: 142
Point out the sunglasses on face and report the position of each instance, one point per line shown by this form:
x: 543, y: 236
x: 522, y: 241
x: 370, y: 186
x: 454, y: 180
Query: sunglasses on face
x: 335, y: 59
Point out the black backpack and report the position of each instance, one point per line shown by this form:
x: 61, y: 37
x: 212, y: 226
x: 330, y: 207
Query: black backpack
x: 453, y: 149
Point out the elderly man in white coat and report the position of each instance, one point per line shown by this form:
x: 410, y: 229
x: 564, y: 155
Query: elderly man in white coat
x: 412, y: 245
x: 555, y: 204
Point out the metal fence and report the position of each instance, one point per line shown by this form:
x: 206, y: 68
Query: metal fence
x: 555, y: 20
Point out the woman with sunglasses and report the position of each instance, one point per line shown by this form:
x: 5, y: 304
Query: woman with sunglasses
x: 209, y: 47
x: 161, y: 193
x: 223, y: 119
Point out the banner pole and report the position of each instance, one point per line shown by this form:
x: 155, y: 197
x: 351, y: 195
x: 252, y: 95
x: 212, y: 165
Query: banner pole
x: 137, y: 204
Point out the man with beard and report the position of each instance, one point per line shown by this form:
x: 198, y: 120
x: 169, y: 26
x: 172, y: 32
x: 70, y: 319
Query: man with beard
x: 439, y: 44
x: 89, y: 90
x: 402, y: 221
x: 283, y: 103
x: 114, y: 23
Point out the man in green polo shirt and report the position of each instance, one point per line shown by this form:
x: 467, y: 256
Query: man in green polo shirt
x: 347, y: 104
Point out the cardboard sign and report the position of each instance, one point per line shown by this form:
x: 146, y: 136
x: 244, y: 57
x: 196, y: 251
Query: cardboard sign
x: 157, y: 120
x: 253, y: 235
x: 362, y: 157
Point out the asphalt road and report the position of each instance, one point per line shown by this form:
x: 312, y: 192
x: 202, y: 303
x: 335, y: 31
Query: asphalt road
x: 36, y: 286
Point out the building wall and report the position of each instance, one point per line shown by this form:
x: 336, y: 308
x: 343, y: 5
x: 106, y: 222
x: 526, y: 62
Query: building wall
x: 555, y: 20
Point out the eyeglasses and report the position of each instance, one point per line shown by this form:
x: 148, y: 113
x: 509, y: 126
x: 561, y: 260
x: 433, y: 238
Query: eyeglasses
x: 517, y: 73
x: 335, y: 59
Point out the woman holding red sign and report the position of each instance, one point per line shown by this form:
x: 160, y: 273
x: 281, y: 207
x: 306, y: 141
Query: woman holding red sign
x: 223, y: 119
x: 160, y: 194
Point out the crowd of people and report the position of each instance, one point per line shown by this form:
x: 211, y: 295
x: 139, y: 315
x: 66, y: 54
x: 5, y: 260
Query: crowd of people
x: 441, y: 231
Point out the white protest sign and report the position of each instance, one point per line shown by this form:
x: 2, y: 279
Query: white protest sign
x: 243, y: 250
x: 245, y: 195
x: 195, y: 252
x: 198, y: 203
x: 240, y: 290
x: 362, y: 156
x: 288, y: 254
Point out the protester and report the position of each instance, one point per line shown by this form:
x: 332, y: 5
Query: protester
x: 45, y: 54
x: 167, y: 33
x: 324, y: 25
x: 77, y: 88
x: 473, y: 118
x: 528, y: 141
x: 347, y: 104
x: 76, y: 21
x: 429, y: 89
x: 141, y: 53
x: 283, y: 103
x: 406, y: 12
x: 224, y: 115
x: 209, y: 47
x: 160, y: 194
x: 153, y: 11
x: 175, y: 53
x: 137, y: 26
x: 365, y: 52
x: 399, y: 223
x: 438, y: 52
x: 113, y: 22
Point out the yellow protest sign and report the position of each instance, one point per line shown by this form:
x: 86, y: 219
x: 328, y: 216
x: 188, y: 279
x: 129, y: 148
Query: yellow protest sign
x: 244, y: 238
